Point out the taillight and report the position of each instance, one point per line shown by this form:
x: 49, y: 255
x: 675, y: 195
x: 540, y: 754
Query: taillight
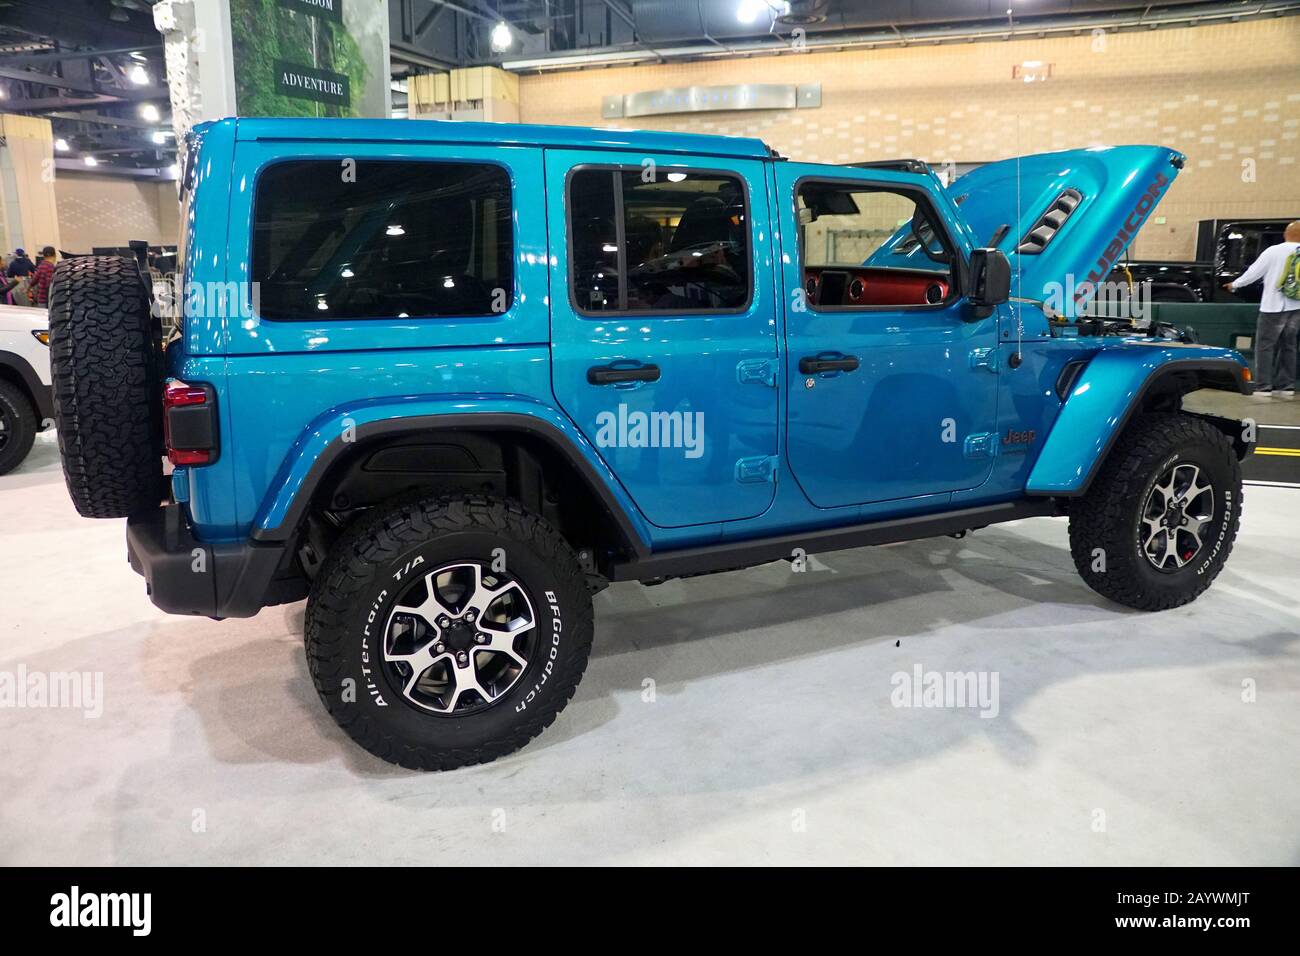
x: 189, y: 423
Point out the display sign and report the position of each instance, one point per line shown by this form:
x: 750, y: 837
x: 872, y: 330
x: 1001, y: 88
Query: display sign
x: 307, y: 83
x: 326, y: 9
x: 310, y: 57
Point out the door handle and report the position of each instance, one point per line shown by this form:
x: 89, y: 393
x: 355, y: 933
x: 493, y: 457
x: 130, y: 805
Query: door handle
x: 812, y: 364
x: 612, y: 374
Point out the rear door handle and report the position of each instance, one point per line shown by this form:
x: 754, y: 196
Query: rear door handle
x: 812, y: 364
x: 612, y: 374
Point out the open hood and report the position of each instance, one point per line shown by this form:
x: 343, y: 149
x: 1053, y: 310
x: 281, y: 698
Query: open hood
x: 1064, y: 219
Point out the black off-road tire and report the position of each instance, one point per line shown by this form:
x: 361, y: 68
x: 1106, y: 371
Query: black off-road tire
x: 1105, y: 523
x: 361, y: 580
x: 20, y: 424
x: 106, y: 370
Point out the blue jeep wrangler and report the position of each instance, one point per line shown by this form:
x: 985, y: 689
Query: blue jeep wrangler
x: 448, y: 380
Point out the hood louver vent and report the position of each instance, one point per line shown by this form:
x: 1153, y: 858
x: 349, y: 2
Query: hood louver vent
x: 1050, y: 223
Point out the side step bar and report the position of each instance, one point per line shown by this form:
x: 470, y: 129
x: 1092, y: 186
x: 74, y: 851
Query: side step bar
x: 731, y: 555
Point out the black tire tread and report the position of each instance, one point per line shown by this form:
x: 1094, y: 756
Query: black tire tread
x: 349, y: 570
x: 1097, y: 520
x: 105, y: 389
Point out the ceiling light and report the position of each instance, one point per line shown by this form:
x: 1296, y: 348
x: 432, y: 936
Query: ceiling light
x: 138, y: 75
x: 90, y: 160
x: 747, y: 11
x: 347, y: 272
x: 502, y: 38
x: 150, y: 113
x: 676, y: 177
x: 395, y: 230
x: 159, y: 137
x: 61, y: 145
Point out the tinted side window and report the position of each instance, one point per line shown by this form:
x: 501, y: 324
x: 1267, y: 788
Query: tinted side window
x: 594, y: 241
x: 398, y: 239
x: 677, y: 242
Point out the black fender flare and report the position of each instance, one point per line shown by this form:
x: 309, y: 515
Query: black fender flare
x: 470, y: 421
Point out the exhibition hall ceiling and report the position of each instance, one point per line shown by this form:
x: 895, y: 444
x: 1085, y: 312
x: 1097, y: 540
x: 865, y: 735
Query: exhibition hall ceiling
x: 95, y: 68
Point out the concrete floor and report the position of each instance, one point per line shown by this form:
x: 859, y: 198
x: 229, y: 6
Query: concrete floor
x: 1120, y: 738
x: 1270, y: 411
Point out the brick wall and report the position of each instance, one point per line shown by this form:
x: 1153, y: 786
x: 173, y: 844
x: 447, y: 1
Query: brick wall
x: 1223, y: 94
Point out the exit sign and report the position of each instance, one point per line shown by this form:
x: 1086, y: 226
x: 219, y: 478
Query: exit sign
x: 1032, y: 71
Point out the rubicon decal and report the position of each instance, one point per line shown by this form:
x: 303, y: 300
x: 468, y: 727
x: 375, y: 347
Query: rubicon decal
x: 1115, y: 248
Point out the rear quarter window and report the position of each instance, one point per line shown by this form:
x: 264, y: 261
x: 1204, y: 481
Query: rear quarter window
x: 382, y: 239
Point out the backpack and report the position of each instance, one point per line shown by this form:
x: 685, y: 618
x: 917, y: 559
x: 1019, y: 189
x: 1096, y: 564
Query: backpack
x: 1289, y: 283
x: 19, y: 293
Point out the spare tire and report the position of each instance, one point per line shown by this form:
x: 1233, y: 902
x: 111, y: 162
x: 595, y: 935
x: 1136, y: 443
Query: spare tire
x: 107, y: 373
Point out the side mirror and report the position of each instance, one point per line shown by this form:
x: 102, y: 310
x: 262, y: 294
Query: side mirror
x: 990, y: 273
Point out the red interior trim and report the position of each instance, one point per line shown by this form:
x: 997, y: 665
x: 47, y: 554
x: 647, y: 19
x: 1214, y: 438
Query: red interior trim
x: 878, y: 287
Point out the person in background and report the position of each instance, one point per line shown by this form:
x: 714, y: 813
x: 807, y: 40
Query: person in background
x: 1279, y: 315
x: 6, y: 283
x: 21, y: 267
x: 20, y: 292
x: 41, y: 279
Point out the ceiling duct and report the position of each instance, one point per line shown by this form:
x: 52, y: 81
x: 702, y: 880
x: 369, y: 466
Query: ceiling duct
x: 674, y: 21
x: 804, y: 13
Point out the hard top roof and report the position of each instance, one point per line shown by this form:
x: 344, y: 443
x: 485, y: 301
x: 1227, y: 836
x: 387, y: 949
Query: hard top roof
x: 505, y: 134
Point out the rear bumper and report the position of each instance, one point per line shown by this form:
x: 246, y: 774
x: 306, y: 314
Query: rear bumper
x: 186, y: 576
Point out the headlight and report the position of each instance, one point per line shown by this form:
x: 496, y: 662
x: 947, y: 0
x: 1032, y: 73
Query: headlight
x: 42, y: 336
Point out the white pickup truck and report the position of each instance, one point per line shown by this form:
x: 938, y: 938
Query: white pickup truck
x: 26, y: 400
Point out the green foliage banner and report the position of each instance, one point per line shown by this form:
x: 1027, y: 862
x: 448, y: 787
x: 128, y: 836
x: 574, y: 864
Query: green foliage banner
x: 310, y: 57
x: 327, y: 9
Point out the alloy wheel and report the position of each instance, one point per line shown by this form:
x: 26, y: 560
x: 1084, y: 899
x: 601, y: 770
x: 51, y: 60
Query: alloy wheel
x: 459, y: 638
x: 1177, y: 510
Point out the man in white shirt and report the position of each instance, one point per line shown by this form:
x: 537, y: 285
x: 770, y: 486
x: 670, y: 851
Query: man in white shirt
x: 1279, y: 318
